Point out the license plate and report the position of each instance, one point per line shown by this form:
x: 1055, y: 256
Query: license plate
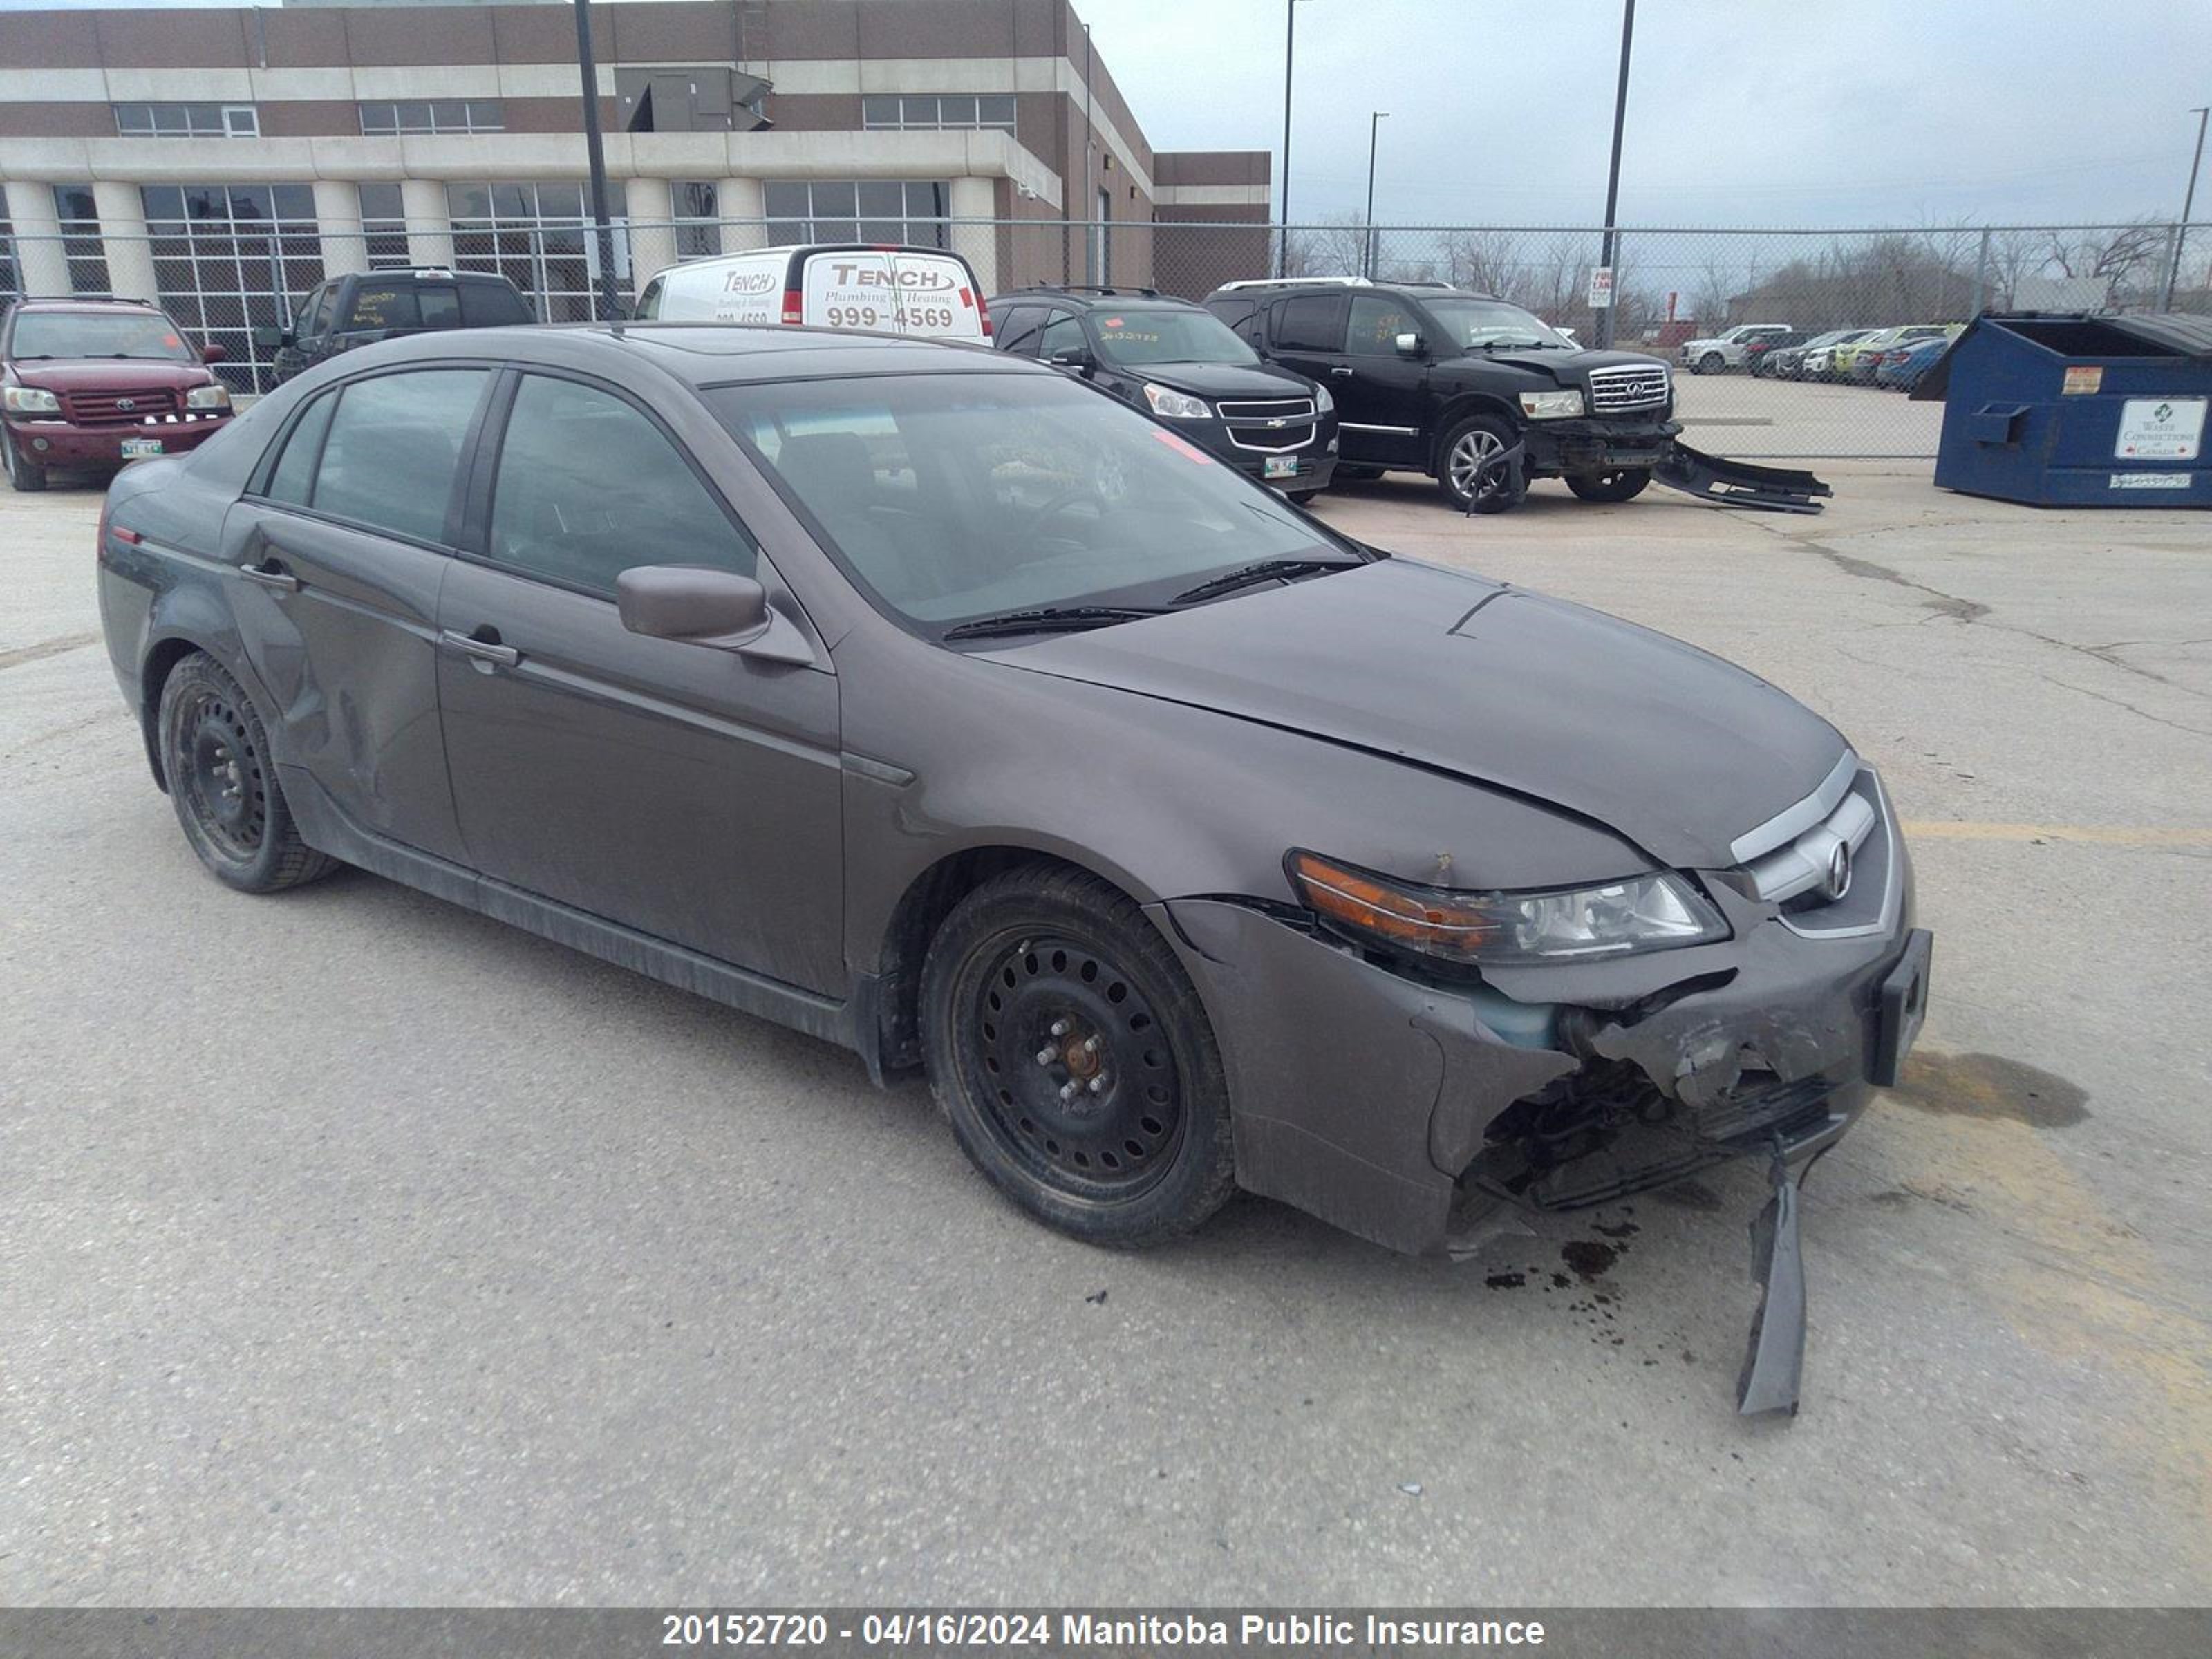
x: 1904, y: 1007
x: 1279, y: 466
x: 138, y: 449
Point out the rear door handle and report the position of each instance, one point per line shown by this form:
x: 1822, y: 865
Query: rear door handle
x: 270, y: 574
x: 484, y: 651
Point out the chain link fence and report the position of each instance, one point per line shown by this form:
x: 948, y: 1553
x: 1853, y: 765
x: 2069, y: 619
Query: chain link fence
x: 229, y: 280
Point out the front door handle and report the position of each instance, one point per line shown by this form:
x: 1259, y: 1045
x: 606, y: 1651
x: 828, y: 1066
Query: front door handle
x: 270, y: 574
x: 1342, y: 369
x: 489, y: 652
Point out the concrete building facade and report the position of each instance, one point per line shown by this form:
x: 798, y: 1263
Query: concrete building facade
x: 227, y: 160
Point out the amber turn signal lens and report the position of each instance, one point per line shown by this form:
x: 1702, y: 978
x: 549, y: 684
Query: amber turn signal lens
x: 1433, y: 925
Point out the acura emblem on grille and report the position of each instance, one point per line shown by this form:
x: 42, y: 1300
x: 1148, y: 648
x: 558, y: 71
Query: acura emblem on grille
x: 1838, y: 882
x: 126, y: 403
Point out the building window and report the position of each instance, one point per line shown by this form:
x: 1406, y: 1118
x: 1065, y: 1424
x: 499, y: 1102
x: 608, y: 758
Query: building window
x: 230, y: 259
x: 844, y: 210
x: 538, y: 237
x: 698, y: 228
x: 383, y: 224
x: 439, y: 115
x: 933, y: 112
x: 187, y: 120
x: 81, y: 247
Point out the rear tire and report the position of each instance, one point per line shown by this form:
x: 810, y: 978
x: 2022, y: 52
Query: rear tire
x: 1623, y: 484
x: 1465, y: 447
x: 222, y: 782
x: 1357, y: 474
x: 1068, y: 1048
x: 1302, y: 496
x: 25, y: 476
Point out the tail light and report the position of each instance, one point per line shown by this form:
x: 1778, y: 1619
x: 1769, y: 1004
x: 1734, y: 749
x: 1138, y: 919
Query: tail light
x: 795, y: 306
x: 983, y: 311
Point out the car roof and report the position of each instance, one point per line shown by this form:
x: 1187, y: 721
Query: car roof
x: 88, y: 303
x: 708, y: 354
x: 1091, y: 299
x: 1271, y: 290
x: 434, y: 273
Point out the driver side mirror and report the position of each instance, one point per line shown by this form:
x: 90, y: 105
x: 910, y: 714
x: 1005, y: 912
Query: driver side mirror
x: 212, y: 353
x: 721, y: 608
x: 1079, y: 360
x: 266, y: 338
x: 1410, y: 345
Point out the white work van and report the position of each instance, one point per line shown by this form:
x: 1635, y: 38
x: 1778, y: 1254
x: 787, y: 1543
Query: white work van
x: 921, y: 291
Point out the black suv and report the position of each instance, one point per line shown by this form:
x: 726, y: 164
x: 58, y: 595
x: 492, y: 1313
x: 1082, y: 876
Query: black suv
x: 351, y: 311
x: 1173, y: 360
x: 1437, y: 380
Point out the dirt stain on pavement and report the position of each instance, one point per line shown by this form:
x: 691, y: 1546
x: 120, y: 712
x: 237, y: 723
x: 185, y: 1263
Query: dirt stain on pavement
x: 1588, y: 1258
x: 1990, y: 1086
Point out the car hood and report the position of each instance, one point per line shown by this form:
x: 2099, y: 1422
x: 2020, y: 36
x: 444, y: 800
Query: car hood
x: 1667, y: 746
x: 1223, y: 380
x: 96, y: 373
x: 1566, y: 368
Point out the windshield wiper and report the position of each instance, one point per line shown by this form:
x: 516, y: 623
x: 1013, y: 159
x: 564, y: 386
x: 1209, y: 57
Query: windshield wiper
x: 1251, y: 574
x: 1051, y: 619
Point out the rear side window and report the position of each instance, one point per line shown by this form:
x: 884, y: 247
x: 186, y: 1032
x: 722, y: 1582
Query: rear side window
x: 1310, y: 322
x: 393, y: 448
x: 295, y: 470
x: 492, y: 305
x: 588, y: 488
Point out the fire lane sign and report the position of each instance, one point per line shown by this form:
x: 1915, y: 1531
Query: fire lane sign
x: 1600, y: 287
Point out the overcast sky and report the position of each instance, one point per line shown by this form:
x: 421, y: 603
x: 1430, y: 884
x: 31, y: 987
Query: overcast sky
x: 1818, y: 112
x: 1740, y: 112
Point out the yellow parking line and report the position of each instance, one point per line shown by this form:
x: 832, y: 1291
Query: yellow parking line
x: 2109, y: 835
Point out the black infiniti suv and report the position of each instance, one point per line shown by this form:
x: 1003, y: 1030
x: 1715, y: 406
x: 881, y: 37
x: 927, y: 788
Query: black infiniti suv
x: 1173, y: 360
x: 1434, y: 379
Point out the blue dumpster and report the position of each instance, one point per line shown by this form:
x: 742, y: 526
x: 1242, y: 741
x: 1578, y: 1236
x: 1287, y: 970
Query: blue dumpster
x: 2070, y: 409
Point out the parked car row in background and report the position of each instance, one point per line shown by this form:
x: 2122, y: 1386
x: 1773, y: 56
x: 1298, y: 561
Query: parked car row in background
x: 1856, y: 357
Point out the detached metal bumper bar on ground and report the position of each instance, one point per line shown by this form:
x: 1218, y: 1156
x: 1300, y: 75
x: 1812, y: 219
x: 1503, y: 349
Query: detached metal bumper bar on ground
x: 1738, y: 484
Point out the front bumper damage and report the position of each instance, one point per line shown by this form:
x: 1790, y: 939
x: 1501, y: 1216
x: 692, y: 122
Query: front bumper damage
x: 1403, y: 1107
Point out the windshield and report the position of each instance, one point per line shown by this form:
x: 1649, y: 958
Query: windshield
x: 948, y: 497
x: 1161, y: 336
x: 1834, y: 337
x: 98, y: 334
x: 1472, y: 324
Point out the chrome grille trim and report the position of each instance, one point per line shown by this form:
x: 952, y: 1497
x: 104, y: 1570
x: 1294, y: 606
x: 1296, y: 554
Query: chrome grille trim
x: 1631, y: 385
x: 1801, y: 866
x: 1893, y: 892
x: 1273, y: 409
x: 1794, y: 819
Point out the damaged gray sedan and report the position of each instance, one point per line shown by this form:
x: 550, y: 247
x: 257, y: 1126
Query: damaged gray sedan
x: 938, y: 706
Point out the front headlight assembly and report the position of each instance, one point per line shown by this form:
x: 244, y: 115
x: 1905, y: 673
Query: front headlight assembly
x: 1176, y: 405
x: 1551, y: 405
x: 207, y: 397
x: 29, y: 400
x: 1322, y: 402
x: 1655, y: 912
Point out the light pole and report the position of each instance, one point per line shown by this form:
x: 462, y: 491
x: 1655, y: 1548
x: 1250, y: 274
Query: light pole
x: 595, y: 150
x: 1374, y: 118
x: 1613, y: 175
x: 1290, y: 54
x: 2188, y: 202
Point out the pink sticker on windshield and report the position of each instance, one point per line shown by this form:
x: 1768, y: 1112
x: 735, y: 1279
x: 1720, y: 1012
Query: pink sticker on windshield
x: 1190, y: 450
x: 1114, y: 322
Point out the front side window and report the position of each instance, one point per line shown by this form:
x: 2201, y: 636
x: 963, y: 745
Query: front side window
x: 394, y: 447
x: 1377, y: 323
x: 588, y: 488
x: 948, y: 497
x: 1062, y: 337
x: 1310, y: 322
x: 1158, y: 335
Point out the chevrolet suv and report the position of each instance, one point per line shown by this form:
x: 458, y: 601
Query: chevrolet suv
x: 1175, y: 361
x: 1470, y: 389
x: 93, y: 384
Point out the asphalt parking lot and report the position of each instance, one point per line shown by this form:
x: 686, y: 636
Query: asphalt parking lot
x: 1734, y: 414
x: 354, y: 1249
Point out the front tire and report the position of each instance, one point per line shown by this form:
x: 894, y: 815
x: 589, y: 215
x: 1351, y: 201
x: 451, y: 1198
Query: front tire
x: 1469, y: 482
x: 222, y: 782
x: 1623, y: 484
x: 25, y: 476
x: 1067, y: 1047
x: 1711, y: 363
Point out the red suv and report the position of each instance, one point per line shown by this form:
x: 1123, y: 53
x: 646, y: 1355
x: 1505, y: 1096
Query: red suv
x: 97, y: 383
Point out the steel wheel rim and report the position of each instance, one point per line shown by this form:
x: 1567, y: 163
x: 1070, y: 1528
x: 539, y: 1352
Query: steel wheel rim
x: 1470, y: 457
x: 217, y: 765
x: 1075, y: 1074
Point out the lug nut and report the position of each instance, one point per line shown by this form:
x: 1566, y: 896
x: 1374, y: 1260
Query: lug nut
x: 1060, y: 1028
x: 1046, y: 1056
x: 1069, y: 1090
x: 1099, y: 1084
x: 1091, y: 1045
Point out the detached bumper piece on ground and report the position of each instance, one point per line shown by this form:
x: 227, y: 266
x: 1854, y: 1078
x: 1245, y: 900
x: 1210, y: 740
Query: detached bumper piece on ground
x: 1739, y: 484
